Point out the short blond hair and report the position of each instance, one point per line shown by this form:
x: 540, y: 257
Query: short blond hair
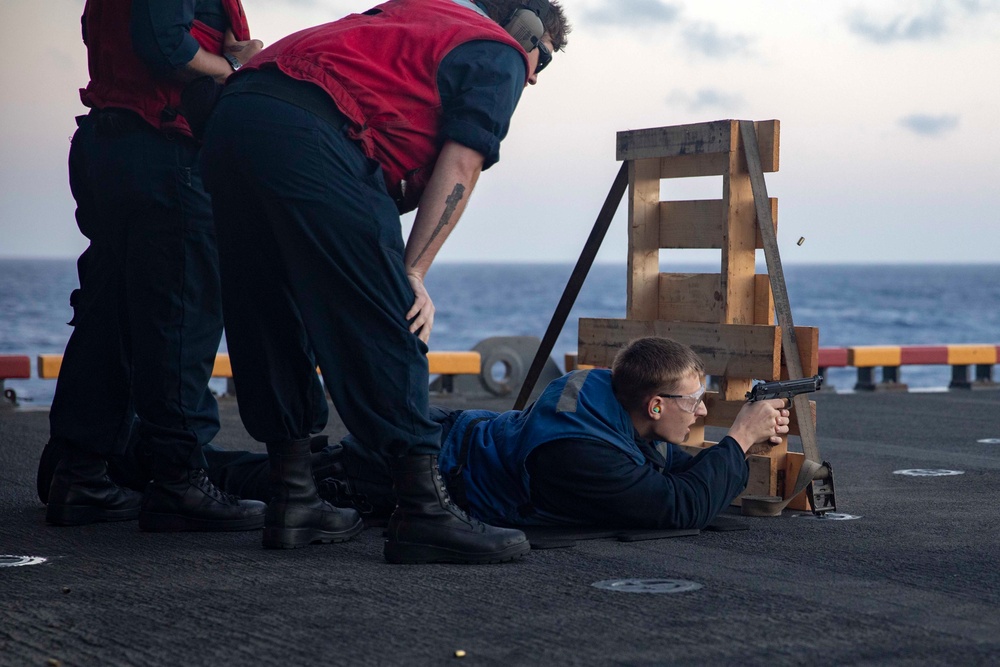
x: 649, y: 366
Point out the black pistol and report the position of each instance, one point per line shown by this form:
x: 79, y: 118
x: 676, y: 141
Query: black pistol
x: 763, y: 391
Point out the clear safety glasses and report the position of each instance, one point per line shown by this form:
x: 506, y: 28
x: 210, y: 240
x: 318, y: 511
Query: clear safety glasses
x: 687, y: 402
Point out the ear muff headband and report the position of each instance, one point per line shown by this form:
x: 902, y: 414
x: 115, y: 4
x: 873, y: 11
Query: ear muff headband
x: 525, y: 24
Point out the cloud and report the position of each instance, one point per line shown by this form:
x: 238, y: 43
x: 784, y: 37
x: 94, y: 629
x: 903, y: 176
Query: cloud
x: 705, y: 38
x: 632, y: 13
x: 929, y: 20
x: 929, y: 126
x: 704, y: 99
x: 899, y: 28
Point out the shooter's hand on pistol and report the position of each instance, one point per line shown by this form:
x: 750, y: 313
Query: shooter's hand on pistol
x: 760, y: 422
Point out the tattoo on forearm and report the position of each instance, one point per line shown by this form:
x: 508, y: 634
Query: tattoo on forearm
x: 449, y: 210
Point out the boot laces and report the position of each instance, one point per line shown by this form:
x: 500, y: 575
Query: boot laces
x: 446, y: 497
x: 200, y: 479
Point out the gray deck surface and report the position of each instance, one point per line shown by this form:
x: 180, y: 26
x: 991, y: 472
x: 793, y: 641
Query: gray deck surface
x: 914, y: 581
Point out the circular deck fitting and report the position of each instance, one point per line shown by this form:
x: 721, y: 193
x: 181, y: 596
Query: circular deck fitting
x: 928, y: 472
x: 989, y: 441
x: 647, y: 585
x: 17, y: 561
x: 829, y: 516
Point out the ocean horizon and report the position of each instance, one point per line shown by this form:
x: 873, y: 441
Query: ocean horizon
x: 852, y: 304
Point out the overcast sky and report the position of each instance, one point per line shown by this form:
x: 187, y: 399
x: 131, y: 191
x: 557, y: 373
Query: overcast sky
x: 890, y: 147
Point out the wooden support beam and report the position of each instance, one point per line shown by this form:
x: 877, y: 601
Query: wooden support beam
x: 676, y: 140
x: 738, y: 242
x: 739, y: 254
x: 643, y: 239
x: 693, y: 166
x: 700, y: 224
x: 763, y: 300
x: 807, y: 339
x: 698, y: 139
x: 690, y: 297
x: 694, y: 223
x: 728, y: 350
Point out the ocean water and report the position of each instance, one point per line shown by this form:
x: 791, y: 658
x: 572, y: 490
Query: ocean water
x: 851, y: 305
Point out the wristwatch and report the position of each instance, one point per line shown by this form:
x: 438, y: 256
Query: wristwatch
x: 233, y: 61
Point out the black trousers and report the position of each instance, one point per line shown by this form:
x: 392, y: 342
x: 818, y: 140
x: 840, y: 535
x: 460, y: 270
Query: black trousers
x: 311, y: 252
x: 147, y: 316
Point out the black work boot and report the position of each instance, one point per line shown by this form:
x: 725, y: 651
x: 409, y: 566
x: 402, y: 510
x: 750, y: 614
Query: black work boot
x: 183, y: 499
x: 427, y: 527
x: 81, y: 492
x: 333, y: 484
x: 296, y: 515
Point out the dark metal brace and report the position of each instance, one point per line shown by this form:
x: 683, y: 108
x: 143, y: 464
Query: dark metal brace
x: 574, y: 284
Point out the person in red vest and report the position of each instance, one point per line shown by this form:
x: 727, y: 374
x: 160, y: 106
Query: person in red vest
x: 312, y: 153
x: 147, y: 315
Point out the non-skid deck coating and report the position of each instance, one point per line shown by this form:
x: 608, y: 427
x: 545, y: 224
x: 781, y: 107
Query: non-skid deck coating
x: 915, y: 580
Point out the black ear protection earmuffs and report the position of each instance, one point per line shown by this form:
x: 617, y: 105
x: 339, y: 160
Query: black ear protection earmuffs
x: 526, y: 25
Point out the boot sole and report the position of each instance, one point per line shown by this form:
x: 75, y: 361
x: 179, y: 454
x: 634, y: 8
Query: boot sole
x: 154, y: 522
x: 81, y: 515
x: 408, y: 553
x: 296, y: 538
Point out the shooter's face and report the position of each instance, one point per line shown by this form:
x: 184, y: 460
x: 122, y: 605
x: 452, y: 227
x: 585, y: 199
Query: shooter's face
x: 674, y: 422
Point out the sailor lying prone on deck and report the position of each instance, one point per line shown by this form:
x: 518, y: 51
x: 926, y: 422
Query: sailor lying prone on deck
x: 594, y: 449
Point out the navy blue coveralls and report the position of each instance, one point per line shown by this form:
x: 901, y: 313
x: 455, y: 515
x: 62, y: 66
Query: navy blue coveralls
x: 574, y: 479
x: 311, y: 251
x: 147, y: 316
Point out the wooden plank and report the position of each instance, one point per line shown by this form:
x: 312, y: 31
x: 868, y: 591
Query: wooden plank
x: 763, y: 477
x: 739, y: 243
x: 697, y: 434
x: 768, y: 141
x: 696, y: 223
x: 774, y: 221
x: 808, y: 341
x: 695, y: 139
x: 694, y: 449
x: 690, y: 297
x: 763, y: 300
x: 695, y: 148
x: 693, y: 166
x: 643, y: 239
x: 739, y: 256
x: 727, y: 350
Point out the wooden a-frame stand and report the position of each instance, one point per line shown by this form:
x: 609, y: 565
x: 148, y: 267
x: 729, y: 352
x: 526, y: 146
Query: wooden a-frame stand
x: 727, y: 318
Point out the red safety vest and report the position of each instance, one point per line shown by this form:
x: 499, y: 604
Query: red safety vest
x: 381, y: 69
x: 118, y: 78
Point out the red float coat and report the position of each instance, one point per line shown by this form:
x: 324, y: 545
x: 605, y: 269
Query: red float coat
x: 381, y: 69
x: 120, y: 79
